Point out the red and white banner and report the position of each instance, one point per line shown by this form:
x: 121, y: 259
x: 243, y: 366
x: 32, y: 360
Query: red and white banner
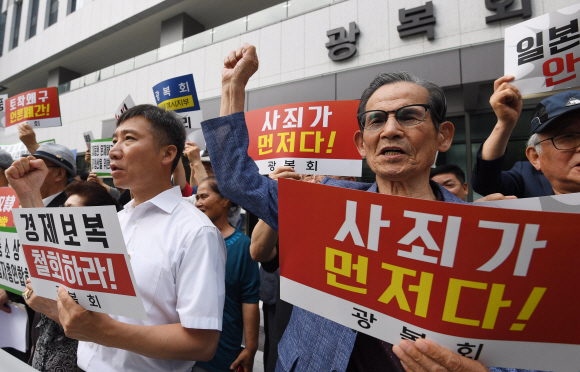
x: 312, y: 137
x: 39, y: 107
x: 543, y: 53
x: 83, y: 250
x: 8, y: 201
x: 496, y: 285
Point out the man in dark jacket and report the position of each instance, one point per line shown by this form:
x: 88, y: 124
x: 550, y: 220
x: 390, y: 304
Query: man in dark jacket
x: 540, y: 176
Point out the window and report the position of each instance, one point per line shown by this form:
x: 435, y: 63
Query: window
x: 33, y: 18
x: 2, y: 27
x: 52, y: 12
x: 16, y: 23
x: 74, y: 5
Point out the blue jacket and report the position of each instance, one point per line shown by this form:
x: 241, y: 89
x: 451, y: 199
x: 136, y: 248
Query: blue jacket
x: 523, y: 180
x: 310, y: 342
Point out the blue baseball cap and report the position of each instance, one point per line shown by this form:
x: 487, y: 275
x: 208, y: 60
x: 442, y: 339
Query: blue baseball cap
x: 554, y: 107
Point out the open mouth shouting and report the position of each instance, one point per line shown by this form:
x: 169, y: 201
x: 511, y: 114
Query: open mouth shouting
x: 392, y: 151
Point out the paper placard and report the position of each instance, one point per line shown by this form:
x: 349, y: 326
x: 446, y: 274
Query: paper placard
x: 125, y: 105
x: 83, y: 250
x: 39, y: 107
x: 100, y: 162
x: 495, y: 285
x: 13, y: 266
x: 179, y: 95
x: 543, y: 52
x: 312, y: 137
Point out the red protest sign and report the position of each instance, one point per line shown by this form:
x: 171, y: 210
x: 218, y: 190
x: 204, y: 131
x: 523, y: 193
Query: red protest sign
x: 40, y: 107
x: 312, y: 137
x: 502, y: 281
x: 100, y: 272
x: 8, y: 201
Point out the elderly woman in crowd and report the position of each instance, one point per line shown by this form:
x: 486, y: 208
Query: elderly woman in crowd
x: 241, y: 313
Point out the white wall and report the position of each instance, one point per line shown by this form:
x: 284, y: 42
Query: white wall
x: 94, y: 17
x: 289, y: 50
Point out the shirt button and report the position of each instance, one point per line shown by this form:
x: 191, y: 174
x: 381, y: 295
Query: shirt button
x: 133, y: 223
x: 90, y: 346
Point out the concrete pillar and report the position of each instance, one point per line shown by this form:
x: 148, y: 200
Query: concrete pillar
x: 179, y: 27
x: 60, y: 75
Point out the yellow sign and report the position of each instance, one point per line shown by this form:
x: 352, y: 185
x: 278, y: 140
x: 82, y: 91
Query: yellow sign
x: 178, y: 103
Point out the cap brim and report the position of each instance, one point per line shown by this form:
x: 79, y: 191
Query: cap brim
x: 543, y: 126
x: 68, y: 170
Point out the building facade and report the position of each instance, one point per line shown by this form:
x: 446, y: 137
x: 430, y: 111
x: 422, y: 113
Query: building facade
x: 99, y: 51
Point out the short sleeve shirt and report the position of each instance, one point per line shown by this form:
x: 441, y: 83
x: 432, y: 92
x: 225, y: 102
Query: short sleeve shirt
x: 178, y: 259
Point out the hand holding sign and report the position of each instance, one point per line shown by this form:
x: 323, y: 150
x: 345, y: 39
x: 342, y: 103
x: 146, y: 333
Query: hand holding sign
x: 3, y: 301
x: 426, y: 355
x: 78, y: 323
x: 42, y: 305
x: 28, y: 137
x: 506, y: 101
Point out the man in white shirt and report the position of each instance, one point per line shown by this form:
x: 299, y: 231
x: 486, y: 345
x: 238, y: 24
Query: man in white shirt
x: 177, y: 255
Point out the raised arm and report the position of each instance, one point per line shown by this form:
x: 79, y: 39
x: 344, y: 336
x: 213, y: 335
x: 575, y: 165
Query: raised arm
x: 26, y: 176
x: 28, y: 137
x: 506, y: 102
x: 227, y: 141
x: 239, y: 66
x: 198, y: 172
x: 179, y: 175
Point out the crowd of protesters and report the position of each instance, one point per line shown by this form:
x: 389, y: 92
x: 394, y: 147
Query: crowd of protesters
x: 198, y: 273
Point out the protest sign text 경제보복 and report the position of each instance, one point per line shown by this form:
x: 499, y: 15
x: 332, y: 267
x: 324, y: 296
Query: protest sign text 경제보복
x: 83, y: 250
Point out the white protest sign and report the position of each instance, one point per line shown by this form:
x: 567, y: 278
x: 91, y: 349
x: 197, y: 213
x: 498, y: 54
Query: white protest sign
x: 13, y: 328
x: 542, y: 53
x: 88, y: 137
x: 197, y: 137
x: 125, y: 105
x: 83, y: 250
x: 17, y: 150
x: 565, y: 203
x: 13, y: 267
x: 3, y: 98
x: 100, y: 162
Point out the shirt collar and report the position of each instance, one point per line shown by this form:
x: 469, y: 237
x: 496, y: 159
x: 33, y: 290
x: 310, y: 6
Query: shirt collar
x: 46, y: 201
x: 166, y: 201
x: 446, y: 194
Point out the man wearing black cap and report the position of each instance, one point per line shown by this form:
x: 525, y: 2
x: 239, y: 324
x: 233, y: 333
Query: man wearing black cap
x: 552, y: 151
x: 61, y: 167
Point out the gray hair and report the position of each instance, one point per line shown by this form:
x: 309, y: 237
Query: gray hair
x: 437, y: 101
x: 534, y: 142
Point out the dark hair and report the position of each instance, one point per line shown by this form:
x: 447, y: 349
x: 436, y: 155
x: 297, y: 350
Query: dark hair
x: 166, y: 127
x: 83, y: 173
x: 214, y: 187
x: 448, y: 168
x: 92, y: 193
x: 437, y: 101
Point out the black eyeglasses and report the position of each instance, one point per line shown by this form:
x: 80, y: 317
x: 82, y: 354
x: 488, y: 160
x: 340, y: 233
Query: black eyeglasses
x: 564, y: 141
x: 407, y: 116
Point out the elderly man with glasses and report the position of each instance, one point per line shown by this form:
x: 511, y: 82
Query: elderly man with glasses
x: 552, y: 150
x: 402, y: 126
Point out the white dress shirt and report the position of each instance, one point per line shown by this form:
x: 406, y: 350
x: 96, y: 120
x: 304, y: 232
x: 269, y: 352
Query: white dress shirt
x: 178, y: 257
